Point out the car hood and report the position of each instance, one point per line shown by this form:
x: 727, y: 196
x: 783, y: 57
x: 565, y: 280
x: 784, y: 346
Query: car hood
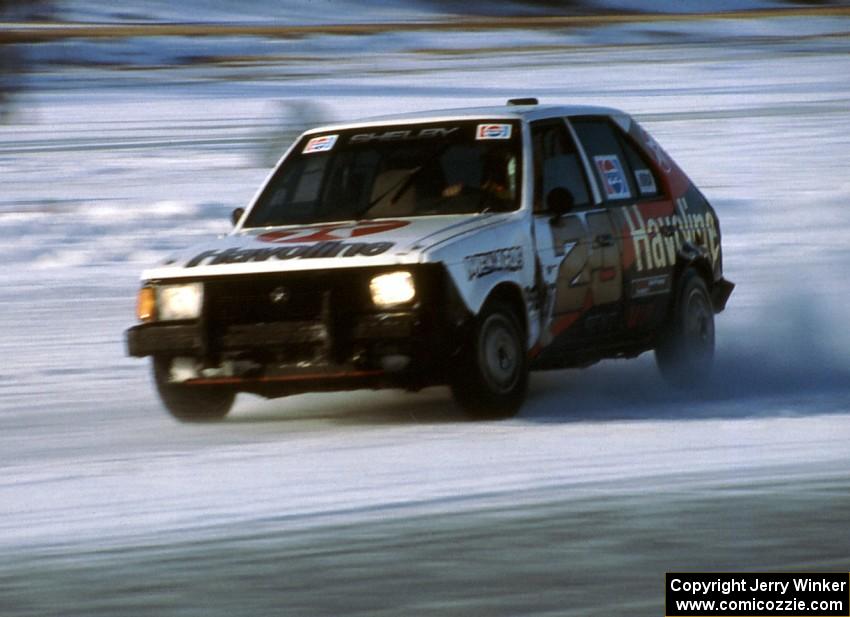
x: 329, y: 245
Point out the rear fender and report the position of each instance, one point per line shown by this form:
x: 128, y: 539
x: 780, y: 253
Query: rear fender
x: 698, y: 258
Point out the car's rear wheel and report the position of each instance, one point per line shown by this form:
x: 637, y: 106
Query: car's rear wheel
x: 191, y: 403
x: 491, y: 377
x: 685, y: 350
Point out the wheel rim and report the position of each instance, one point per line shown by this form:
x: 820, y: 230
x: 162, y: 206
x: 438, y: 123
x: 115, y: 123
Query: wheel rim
x: 699, y: 325
x: 499, y: 354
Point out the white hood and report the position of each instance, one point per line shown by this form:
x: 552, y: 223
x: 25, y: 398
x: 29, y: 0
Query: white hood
x: 328, y: 245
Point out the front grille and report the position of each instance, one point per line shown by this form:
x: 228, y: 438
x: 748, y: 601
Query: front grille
x: 253, y: 300
x: 309, y: 296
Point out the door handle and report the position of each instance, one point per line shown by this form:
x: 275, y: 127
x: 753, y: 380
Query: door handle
x: 605, y: 240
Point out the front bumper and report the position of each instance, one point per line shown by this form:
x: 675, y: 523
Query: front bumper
x: 280, y: 359
x: 191, y: 339
x: 156, y: 339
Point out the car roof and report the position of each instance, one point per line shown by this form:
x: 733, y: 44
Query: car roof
x: 507, y: 112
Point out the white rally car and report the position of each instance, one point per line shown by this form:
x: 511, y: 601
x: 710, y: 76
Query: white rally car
x: 461, y: 247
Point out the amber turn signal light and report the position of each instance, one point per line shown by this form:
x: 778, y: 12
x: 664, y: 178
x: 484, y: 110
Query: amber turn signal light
x: 146, y: 304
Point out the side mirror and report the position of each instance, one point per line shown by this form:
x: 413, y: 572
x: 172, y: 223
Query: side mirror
x: 236, y: 215
x: 559, y: 202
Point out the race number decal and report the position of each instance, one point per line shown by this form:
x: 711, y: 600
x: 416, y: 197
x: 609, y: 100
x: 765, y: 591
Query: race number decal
x: 613, y: 178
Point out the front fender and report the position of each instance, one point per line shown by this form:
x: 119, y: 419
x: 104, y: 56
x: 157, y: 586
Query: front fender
x: 488, y: 259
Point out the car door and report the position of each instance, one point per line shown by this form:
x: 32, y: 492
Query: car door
x: 579, y: 274
x: 638, y: 206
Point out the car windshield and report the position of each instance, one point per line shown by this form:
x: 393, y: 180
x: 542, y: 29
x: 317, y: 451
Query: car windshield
x: 395, y: 171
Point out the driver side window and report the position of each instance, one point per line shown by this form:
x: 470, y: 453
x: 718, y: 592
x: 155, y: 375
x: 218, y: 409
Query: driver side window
x: 557, y: 164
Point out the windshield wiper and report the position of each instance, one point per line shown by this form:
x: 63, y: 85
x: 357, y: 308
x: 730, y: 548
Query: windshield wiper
x: 405, y: 186
x: 400, y: 186
x: 398, y: 189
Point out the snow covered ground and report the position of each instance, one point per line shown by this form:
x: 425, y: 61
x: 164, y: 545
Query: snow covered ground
x: 105, y: 171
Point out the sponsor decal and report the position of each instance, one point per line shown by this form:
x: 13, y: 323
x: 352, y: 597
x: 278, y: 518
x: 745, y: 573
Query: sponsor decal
x: 332, y: 231
x: 493, y: 131
x: 322, y: 250
x: 320, y: 144
x: 326, y: 241
x: 500, y: 260
x: 645, y: 182
x: 650, y: 285
x: 613, y: 178
x: 401, y: 135
x: 656, y: 240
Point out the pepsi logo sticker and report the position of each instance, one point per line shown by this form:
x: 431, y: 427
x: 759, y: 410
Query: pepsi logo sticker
x: 320, y: 144
x: 493, y: 131
x: 613, y: 179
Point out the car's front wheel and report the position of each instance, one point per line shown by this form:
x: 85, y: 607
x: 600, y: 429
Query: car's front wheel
x: 191, y: 403
x: 685, y: 350
x: 491, y: 377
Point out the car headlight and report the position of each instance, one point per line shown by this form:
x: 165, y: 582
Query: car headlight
x: 179, y: 301
x: 393, y: 288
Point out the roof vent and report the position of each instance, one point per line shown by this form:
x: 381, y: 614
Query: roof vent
x: 527, y: 101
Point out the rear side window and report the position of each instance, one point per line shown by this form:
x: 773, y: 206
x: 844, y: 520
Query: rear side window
x: 557, y: 164
x: 623, y: 171
x: 646, y: 181
x: 607, y: 158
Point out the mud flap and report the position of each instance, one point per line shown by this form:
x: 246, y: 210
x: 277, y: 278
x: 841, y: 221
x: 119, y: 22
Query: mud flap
x: 720, y: 292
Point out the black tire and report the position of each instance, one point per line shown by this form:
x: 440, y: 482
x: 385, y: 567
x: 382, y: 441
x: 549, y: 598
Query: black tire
x: 191, y: 403
x: 685, y: 350
x: 491, y: 377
